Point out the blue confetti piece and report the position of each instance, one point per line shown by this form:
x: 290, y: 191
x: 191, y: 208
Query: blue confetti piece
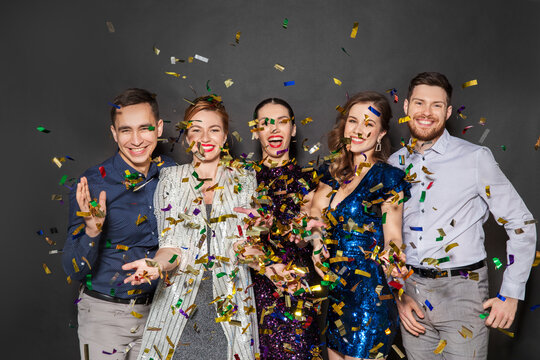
x: 288, y: 83
x: 500, y: 297
x: 534, y: 307
x: 416, y: 228
x: 373, y: 110
x: 114, y: 105
x: 428, y: 304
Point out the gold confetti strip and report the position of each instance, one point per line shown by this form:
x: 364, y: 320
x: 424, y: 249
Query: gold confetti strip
x: 398, y: 351
x: 228, y: 83
x: 140, y: 220
x: 506, y: 332
x: 519, y: 231
x: 279, y: 67
x: 376, y: 187
x: 376, y: 347
x: 78, y: 229
x: 469, y: 83
x: 440, y: 347
x: 137, y: 315
x: 110, y: 27
x: 450, y: 247
x: 354, y: 30
x: 441, y: 232
x: 337, y: 82
x: 502, y: 221
x: 425, y: 170
x: 537, y: 145
x: 87, y: 262
x: 362, y: 272
x: 237, y: 37
x: 83, y: 213
x: 222, y: 218
x: 57, y: 161
x: 156, y: 50
x: 46, y: 268
x: 75, y: 266
x: 488, y: 191
x: 404, y: 119
x: 122, y: 247
x: 465, y: 332
x: 482, y: 121
x: 172, y: 73
x: 306, y: 121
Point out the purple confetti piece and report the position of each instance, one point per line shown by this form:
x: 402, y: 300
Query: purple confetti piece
x: 108, y: 353
x: 77, y: 300
x: 461, y: 108
x: 282, y: 151
x: 169, y: 207
x: 196, y: 212
x: 183, y: 313
x: 510, y: 259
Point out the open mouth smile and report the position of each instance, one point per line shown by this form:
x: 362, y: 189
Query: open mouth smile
x: 208, y: 147
x: 275, y: 141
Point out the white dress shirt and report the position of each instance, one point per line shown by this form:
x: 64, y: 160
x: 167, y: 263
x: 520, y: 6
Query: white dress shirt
x: 450, y: 203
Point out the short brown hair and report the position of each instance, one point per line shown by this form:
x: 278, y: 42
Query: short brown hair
x: 431, y: 79
x: 209, y: 103
x: 342, y: 168
x: 134, y: 96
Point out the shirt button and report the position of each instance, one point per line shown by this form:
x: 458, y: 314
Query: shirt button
x: 422, y: 183
x: 152, y: 233
x: 422, y: 210
x: 150, y: 207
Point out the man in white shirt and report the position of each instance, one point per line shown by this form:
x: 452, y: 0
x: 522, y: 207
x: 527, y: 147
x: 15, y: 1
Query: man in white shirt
x: 455, y: 185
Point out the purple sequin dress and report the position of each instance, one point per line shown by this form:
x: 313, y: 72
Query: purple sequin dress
x: 281, y: 335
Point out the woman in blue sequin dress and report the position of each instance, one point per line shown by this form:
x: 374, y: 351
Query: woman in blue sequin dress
x: 361, y: 199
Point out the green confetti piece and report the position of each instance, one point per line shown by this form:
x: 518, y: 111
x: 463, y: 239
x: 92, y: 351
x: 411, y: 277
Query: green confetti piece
x: 325, y: 264
x: 383, y: 219
x: 112, y: 292
x: 208, y: 86
x: 94, y: 203
x: 285, y: 23
x: 199, y: 186
x: 307, y: 233
x: 443, y: 260
x: 202, y: 231
x: 325, y: 283
x: 272, y: 121
x: 89, y: 281
x: 43, y: 130
x: 408, y: 169
x: 195, y: 175
x: 299, y: 291
x: 63, y: 180
x: 484, y: 315
x: 173, y: 259
x: 423, y: 196
x: 503, y: 147
x: 179, y: 303
x: 295, y: 231
x: 289, y: 315
x: 221, y: 274
x: 151, y: 128
x: 317, y: 252
x: 497, y: 263
x: 439, y: 238
x: 107, y: 243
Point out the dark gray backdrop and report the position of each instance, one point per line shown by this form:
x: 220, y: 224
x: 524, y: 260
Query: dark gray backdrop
x: 60, y: 66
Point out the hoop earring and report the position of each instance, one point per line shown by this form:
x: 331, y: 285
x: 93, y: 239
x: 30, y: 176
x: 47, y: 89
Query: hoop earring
x: 378, y: 147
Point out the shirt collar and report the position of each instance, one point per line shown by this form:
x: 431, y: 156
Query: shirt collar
x: 441, y: 144
x: 121, y: 165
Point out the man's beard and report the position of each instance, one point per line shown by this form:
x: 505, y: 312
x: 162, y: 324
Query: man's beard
x: 423, y: 136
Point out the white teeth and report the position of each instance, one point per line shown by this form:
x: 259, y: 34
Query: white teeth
x: 137, y: 150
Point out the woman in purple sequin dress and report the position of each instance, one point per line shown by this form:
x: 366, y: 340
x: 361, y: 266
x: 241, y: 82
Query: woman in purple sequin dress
x: 289, y: 326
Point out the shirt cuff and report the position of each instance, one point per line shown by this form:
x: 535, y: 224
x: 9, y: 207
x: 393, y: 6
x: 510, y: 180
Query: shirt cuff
x: 513, y: 290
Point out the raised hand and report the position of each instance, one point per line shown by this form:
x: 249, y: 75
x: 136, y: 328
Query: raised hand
x: 146, y: 270
x: 94, y: 222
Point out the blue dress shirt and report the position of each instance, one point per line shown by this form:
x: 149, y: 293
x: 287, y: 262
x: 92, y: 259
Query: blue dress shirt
x: 457, y: 184
x: 97, y: 261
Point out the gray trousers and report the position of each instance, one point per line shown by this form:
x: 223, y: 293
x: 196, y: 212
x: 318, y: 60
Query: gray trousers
x: 108, y: 327
x: 456, y: 302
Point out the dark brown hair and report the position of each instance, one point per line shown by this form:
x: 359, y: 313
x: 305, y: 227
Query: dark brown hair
x: 209, y: 103
x: 431, y: 79
x: 277, y: 101
x: 134, y: 96
x: 342, y: 168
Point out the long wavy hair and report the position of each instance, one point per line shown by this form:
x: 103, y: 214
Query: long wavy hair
x: 342, y: 167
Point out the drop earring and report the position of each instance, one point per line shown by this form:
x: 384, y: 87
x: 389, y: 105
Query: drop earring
x: 378, y: 147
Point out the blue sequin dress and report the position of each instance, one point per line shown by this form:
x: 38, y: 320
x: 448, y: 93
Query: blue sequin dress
x: 360, y: 323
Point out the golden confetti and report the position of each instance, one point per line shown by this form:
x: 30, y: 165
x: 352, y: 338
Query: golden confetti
x: 140, y: 220
x: 488, y: 192
x: 137, y: 315
x: 110, y: 27
x: 337, y: 82
x: 279, y: 67
x: 156, y: 50
x: 450, y: 247
x: 502, y: 221
x: 237, y: 37
x: 537, y: 145
x: 362, y: 272
x: 46, y: 268
x: 228, y: 83
x: 506, y: 332
x: 398, y: 351
x: 469, y: 83
x: 172, y: 74
x: 354, y: 30
x: 306, y: 121
x: 404, y: 119
x: 440, y: 347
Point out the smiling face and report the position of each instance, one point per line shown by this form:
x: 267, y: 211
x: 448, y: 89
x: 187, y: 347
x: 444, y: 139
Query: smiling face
x: 364, y: 129
x: 428, y: 109
x: 207, y: 132
x: 276, y: 132
x: 132, y: 131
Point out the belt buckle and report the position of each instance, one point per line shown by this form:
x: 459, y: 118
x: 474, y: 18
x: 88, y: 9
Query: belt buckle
x: 439, y: 274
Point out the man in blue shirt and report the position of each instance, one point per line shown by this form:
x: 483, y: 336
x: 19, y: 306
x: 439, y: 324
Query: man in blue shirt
x: 112, y: 222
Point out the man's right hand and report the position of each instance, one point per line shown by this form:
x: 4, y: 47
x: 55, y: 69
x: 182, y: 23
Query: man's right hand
x: 406, y: 306
x: 93, y: 223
